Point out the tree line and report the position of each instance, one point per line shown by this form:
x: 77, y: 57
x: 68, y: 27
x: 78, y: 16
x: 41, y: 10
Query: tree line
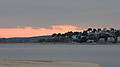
x: 90, y: 34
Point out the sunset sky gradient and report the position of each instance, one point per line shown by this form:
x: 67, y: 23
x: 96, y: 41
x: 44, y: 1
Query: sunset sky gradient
x: 24, y: 18
x: 29, y: 31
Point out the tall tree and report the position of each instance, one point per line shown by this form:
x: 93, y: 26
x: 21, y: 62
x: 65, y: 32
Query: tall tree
x: 89, y: 30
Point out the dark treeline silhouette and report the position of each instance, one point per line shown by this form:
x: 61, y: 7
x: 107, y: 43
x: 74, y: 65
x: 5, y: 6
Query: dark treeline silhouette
x: 89, y: 35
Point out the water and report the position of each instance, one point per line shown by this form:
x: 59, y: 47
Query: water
x: 106, y: 55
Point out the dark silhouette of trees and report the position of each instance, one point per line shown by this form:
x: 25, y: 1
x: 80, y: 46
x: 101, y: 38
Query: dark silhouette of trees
x: 99, y: 30
x: 53, y: 35
x: 83, y: 39
x: 117, y: 34
x: 90, y: 34
x: 92, y: 37
x: 84, y: 33
x: 94, y: 30
x: 89, y: 29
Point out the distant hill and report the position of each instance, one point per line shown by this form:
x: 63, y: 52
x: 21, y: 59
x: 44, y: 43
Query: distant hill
x: 25, y: 39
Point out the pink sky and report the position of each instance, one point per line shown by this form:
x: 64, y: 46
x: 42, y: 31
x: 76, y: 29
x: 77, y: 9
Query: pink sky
x: 29, y: 31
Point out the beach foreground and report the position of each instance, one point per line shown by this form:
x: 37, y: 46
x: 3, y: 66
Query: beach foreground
x: 38, y: 63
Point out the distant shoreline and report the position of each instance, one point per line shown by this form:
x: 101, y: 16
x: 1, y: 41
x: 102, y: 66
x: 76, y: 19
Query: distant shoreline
x: 68, y: 43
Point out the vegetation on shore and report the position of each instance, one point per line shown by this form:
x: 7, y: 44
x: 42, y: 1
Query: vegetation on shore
x: 89, y: 35
x: 86, y: 36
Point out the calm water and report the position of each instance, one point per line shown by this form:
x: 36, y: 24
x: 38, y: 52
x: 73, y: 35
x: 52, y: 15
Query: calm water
x: 106, y: 55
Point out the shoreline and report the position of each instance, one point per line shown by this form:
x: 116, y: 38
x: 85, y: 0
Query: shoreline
x: 73, y: 43
x: 44, y: 63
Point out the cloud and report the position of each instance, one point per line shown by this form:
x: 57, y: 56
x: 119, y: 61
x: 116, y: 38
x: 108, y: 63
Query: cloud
x: 36, y: 31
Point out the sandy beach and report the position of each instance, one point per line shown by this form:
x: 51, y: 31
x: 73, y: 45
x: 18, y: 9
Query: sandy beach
x: 38, y: 63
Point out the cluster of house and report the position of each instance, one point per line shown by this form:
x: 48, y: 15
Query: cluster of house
x: 89, y: 35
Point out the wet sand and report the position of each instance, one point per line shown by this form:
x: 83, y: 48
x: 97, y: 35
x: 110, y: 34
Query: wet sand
x: 38, y: 63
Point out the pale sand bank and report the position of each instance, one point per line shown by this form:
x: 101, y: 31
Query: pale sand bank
x: 36, y: 63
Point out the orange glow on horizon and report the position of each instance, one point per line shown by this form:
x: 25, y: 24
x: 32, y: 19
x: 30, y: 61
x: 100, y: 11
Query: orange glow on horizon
x: 30, y: 31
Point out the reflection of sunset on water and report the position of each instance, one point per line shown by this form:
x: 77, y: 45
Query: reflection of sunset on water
x: 29, y: 31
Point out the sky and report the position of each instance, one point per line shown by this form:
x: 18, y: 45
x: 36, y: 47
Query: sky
x: 30, y: 31
x: 45, y: 14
